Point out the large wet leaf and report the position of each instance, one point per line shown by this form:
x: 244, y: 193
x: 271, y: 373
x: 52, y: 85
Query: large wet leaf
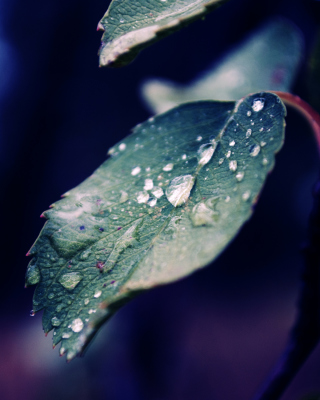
x: 267, y: 60
x: 166, y: 203
x: 131, y: 25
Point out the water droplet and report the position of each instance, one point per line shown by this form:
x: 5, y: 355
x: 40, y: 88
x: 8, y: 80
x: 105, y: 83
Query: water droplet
x: 258, y: 104
x: 249, y: 113
x: 179, y: 189
x: 97, y: 294
x: 168, y: 167
x: 227, y: 199
x: 77, y: 325
x: 92, y: 311
x: 148, y: 184
x: 203, y: 215
x: 55, y: 321
x: 32, y: 313
x: 228, y: 154
x: 199, y: 138
x: 50, y: 295
x: 262, y: 143
x: 265, y: 161
x: 232, y: 143
x: 152, y: 202
x: 240, y: 176
x: 221, y: 161
x: 157, y: 192
x: 122, y: 146
x: 205, y: 153
x: 248, y: 133
x: 86, y: 301
x: 33, y: 275
x: 121, y: 21
x: 71, y: 280
x: 254, y: 150
x: 246, y: 195
x: 142, y: 197
x: 66, y: 335
x: 135, y: 171
x: 184, y: 157
x: 233, y: 165
x: 261, y: 129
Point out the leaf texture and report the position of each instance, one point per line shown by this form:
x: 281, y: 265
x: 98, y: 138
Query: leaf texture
x: 172, y: 195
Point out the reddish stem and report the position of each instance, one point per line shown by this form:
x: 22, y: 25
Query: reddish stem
x: 305, y: 109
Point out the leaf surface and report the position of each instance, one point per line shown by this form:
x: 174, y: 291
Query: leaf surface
x: 267, y: 60
x: 172, y: 195
x: 129, y: 26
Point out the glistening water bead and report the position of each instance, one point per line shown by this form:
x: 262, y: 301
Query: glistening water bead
x: 258, y: 104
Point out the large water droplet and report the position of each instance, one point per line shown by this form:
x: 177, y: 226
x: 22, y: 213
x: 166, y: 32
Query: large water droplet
x: 254, y: 150
x: 179, y: 189
x: 77, y: 325
x: 203, y: 215
x: 205, y: 152
x: 258, y: 104
x: 152, y: 202
x: 122, y: 146
x: 142, y: 197
x: 71, y: 280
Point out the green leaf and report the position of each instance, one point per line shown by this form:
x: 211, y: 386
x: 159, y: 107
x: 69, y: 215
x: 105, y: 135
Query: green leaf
x: 131, y: 25
x: 267, y: 60
x: 167, y: 202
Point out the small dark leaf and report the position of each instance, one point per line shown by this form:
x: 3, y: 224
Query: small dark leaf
x: 131, y: 25
x: 168, y: 201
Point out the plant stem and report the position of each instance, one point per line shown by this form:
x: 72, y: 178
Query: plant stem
x: 305, y: 334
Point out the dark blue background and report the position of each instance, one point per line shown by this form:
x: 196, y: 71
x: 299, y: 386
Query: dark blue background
x: 214, y: 335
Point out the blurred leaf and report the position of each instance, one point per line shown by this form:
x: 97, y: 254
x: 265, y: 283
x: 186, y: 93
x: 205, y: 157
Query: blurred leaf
x: 171, y: 197
x: 131, y: 26
x: 267, y: 60
x: 313, y: 78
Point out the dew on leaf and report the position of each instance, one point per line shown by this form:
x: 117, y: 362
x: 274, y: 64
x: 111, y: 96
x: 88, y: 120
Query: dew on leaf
x: 246, y: 195
x: 77, y: 325
x: 123, y: 196
x: 199, y: 138
x: 122, y: 146
x: 179, y: 189
x: 152, y: 202
x: 97, y: 294
x: 240, y: 176
x: 70, y: 280
x: 258, y: 104
x: 66, y: 335
x: 148, y: 184
x: 254, y: 150
x: 135, y: 171
x: 228, y: 154
x: 232, y: 143
x: 248, y: 133
x: 233, y: 165
x: 203, y: 215
x: 205, y: 153
x: 265, y: 161
x: 168, y: 167
x: 157, y: 192
x: 142, y: 197
x: 50, y: 296
x: 55, y: 321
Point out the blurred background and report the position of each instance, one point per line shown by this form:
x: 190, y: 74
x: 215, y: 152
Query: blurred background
x: 214, y: 335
